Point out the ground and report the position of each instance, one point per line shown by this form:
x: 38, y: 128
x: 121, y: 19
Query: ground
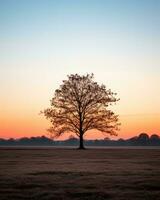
x: 66, y: 174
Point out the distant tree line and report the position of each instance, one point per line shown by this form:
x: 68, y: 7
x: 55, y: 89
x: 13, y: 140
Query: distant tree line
x: 142, y: 140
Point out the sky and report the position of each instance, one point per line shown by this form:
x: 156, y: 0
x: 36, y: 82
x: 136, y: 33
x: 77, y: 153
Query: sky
x: 42, y: 41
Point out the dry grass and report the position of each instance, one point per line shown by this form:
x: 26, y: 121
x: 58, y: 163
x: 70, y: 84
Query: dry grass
x: 64, y: 174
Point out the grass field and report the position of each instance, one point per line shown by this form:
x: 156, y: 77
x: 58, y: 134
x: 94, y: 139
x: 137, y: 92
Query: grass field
x: 64, y: 174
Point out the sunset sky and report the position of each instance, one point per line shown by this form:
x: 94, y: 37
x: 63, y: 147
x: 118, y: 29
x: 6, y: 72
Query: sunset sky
x: 42, y: 41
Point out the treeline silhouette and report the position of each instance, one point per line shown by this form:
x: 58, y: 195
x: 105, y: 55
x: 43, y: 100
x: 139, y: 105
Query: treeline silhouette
x: 142, y: 140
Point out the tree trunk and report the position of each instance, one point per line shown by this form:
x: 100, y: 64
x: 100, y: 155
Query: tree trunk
x: 81, y: 146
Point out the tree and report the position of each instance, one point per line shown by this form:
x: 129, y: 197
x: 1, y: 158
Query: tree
x: 79, y: 105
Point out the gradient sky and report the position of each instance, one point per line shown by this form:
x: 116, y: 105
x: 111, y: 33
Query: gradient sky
x: 43, y: 41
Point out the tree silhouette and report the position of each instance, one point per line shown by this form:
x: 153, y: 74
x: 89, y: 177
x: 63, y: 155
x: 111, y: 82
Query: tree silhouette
x: 79, y: 105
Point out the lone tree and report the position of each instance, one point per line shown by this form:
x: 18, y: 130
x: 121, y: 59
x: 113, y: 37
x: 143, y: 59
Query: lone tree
x: 79, y: 105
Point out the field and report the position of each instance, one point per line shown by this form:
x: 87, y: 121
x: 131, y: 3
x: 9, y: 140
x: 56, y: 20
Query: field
x: 64, y: 174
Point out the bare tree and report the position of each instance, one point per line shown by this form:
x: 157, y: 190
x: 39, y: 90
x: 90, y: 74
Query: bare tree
x: 79, y: 105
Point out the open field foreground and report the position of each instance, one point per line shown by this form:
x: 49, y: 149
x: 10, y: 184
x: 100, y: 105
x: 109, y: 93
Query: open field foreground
x: 64, y: 174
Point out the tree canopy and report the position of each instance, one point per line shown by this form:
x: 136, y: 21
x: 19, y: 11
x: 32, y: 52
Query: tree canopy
x: 81, y: 104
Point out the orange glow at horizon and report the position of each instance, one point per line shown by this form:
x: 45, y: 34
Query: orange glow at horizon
x: 27, y: 126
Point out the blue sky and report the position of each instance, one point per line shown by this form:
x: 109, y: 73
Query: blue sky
x: 43, y: 41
